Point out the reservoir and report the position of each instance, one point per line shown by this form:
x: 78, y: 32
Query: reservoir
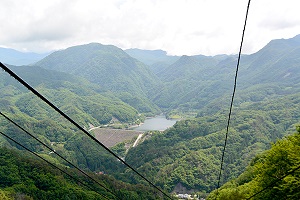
x: 158, y: 123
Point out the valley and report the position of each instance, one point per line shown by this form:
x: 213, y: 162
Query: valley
x: 105, y: 86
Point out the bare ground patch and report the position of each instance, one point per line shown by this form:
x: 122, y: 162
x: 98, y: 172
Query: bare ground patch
x: 111, y: 137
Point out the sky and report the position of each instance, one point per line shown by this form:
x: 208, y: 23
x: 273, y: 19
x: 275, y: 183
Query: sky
x: 179, y: 27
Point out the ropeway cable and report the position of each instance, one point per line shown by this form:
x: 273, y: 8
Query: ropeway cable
x: 76, y: 179
x: 232, y: 98
x: 20, y: 80
x: 52, y: 150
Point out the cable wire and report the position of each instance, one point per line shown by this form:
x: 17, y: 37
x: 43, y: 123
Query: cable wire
x: 232, y: 98
x: 52, y: 150
x: 52, y: 164
x: 20, y: 80
x: 273, y: 183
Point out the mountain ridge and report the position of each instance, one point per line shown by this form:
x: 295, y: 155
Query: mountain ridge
x: 180, y: 84
x: 108, y: 66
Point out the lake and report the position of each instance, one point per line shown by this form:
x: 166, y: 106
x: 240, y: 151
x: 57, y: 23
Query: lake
x: 156, y: 123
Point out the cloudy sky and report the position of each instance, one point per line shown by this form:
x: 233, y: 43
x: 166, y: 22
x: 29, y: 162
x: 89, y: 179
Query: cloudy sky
x: 180, y: 27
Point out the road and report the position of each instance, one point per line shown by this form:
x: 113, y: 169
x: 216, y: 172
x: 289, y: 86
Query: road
x: 137, y: 140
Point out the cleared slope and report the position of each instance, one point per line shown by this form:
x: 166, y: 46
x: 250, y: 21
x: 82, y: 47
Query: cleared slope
x: 111, y: 137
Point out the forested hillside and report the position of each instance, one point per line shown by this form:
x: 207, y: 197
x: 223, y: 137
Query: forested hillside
x: 195, y: 82
x: 83, y: 101
x: 97, y: 84
x: 189, y: 83
x: 272, y: 174
x: 189, y: 153
x: 112, y: 69
x: 23, y: 176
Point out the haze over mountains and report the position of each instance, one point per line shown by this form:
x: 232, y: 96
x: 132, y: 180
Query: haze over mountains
x: 97, y: 84
x: 14, y: 57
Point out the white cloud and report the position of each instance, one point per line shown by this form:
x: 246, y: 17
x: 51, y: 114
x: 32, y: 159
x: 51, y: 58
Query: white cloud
x: 180, y: 27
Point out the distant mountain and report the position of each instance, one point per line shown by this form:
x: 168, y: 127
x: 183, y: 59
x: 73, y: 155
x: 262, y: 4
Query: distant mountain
x: 277, y: 62
x: 186, y: 83
x: 194, y: 82
x: 13, y: 57
x: 150, y: 57
x: 191, y: 67
x: 111, y: 68
x: 156, y: 59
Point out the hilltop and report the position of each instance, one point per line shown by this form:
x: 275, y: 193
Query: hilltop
x: 111, y: 68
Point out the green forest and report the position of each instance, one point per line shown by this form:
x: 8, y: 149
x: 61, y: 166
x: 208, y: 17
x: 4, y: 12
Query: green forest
x: 102, y: 85
x: 23, y: 176
x: 189, y: 153
x: 275, y: 172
